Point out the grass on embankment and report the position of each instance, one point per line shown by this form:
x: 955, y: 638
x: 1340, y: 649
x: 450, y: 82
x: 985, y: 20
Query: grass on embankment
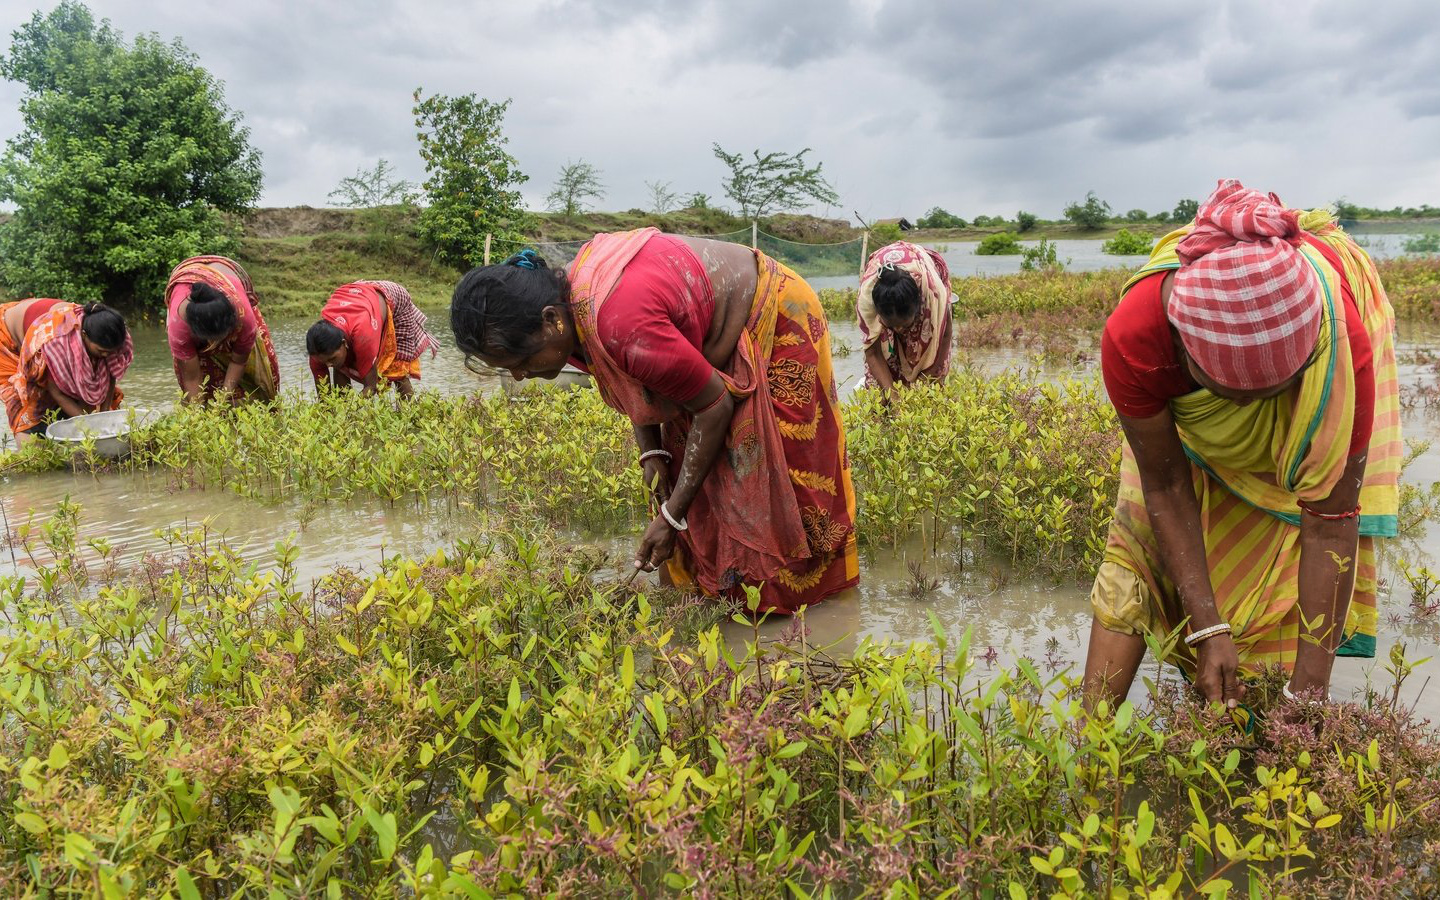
x: 294, y: 275
x: 297, y: 256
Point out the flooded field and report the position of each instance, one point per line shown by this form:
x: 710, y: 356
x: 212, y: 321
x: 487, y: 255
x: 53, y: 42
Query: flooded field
x: 1013, y: 613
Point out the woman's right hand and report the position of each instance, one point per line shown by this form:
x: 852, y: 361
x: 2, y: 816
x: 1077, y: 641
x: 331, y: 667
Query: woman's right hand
x: 656, y: 472
x: 1217, y: 671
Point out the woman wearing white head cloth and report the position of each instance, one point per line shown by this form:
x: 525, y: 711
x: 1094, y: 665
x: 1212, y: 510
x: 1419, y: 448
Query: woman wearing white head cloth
x: 904, y: 314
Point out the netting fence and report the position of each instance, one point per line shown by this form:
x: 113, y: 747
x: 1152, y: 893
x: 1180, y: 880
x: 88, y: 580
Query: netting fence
x: 808, y: 260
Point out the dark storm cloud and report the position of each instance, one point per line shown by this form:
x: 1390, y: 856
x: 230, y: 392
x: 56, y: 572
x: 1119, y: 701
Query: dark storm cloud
x: 980, y: 107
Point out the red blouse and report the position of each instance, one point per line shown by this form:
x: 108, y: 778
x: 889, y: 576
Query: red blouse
x: 655, y: 322
x: 1142, y: 372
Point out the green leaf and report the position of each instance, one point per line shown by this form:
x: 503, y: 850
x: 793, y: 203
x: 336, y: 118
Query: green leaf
x: 386, y: 831
x: 185, y: 884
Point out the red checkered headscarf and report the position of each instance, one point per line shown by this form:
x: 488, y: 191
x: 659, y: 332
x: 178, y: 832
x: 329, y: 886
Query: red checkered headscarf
x: 1245, y: 301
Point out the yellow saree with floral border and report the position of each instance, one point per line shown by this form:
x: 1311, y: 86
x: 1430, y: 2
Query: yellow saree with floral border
x: 1252, y: 465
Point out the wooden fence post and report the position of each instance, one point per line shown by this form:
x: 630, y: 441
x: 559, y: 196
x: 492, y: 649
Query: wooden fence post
x: 864, y: 251
x: 754, y: 235
x: 487, y: 248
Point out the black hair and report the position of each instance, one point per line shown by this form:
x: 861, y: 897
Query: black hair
x: 210, y: 314
x: 896, y: 295
x: 103, y: 325
x: 323, y: 338
x: 499, y: 310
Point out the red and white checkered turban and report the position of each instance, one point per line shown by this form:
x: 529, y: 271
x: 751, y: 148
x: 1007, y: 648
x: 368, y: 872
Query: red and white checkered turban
x: 1247, y: 304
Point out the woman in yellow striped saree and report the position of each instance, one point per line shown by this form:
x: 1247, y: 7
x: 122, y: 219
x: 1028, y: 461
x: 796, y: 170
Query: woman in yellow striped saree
x: 1252, y: 365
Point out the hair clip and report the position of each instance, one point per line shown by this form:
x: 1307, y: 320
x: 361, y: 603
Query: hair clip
x: 525, y: 259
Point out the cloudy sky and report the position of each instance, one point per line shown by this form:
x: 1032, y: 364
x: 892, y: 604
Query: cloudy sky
x: 979, y: 107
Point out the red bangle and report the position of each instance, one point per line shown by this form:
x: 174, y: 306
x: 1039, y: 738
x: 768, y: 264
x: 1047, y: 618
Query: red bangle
x: 1352, y: 514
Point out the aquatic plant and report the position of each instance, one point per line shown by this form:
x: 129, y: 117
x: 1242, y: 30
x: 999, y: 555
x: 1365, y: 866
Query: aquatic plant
x: 1005, y: 461
x: 1001, y: 243
x: 1010, y: 463
x: 507, y: 719
x: 1428, y: 242
x: 1041, y: 257
x: 1128, y: 243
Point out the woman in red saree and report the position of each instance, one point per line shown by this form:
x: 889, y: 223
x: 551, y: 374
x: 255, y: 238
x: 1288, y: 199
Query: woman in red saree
x: 368, y: 331
x: 903, y: 309
x: 59, y: 358
x: 720, y: 358
x: 217, y: 336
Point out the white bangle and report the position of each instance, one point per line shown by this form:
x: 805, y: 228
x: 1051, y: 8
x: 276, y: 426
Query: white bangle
x: 651, y: 454
x: 1196, y: 637
x: 680, y: 525
x: 1290, y: 695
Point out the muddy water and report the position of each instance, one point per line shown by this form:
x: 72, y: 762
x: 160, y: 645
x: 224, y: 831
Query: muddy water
x: 1012, y: 613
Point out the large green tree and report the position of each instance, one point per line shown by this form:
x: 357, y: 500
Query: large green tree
x: 472, y: 185
x: 127, y: 161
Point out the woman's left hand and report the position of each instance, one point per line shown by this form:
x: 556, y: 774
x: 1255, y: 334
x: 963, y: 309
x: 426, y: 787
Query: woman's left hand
x: 656, y: 546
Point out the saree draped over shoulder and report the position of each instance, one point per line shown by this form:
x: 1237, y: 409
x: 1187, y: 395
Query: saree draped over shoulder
x: 261, y: 378
x: 777, y: 511
x: 1252, y: 465
x: 923, y: 350
x: 53, y: 351
x: 385, y: 328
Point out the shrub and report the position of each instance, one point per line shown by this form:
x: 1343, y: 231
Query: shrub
x: 1127, y: 243
x: 883, y: 233
x: 987, y: 221
x: 1002, y: 243
x: 1429, y: 242
x: 1024, y: 221
x: 1090, y: 213
x: 201, y: 726
x: 1137, y: 215
x: 1041, y: 257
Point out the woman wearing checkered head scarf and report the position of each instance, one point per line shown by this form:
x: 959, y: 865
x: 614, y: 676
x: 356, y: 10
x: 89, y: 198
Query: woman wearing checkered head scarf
x: 1252, y: 365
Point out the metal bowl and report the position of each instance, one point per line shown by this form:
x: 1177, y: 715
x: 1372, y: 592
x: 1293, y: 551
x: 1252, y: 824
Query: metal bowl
x: 110, y: 430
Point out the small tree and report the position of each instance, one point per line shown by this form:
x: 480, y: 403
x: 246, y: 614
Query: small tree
x: 987, y: 221
x: 383, y: 201
x: 1185, y: 211
x: 939, y: 218
x: 576, y: 183
x: 1092, y: 213
x: 1137, y: 215
x: 126, y: 162
x: 662, y: 199
x: 775, y: 182
x: 369, y: 188
x: 471, y: 182
x: 1024, y: 221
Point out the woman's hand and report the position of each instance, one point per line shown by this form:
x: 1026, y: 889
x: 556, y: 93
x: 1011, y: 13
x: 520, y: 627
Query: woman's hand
x: 656, y: 546
x: 656, y: 472
x: 1217, y: 671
